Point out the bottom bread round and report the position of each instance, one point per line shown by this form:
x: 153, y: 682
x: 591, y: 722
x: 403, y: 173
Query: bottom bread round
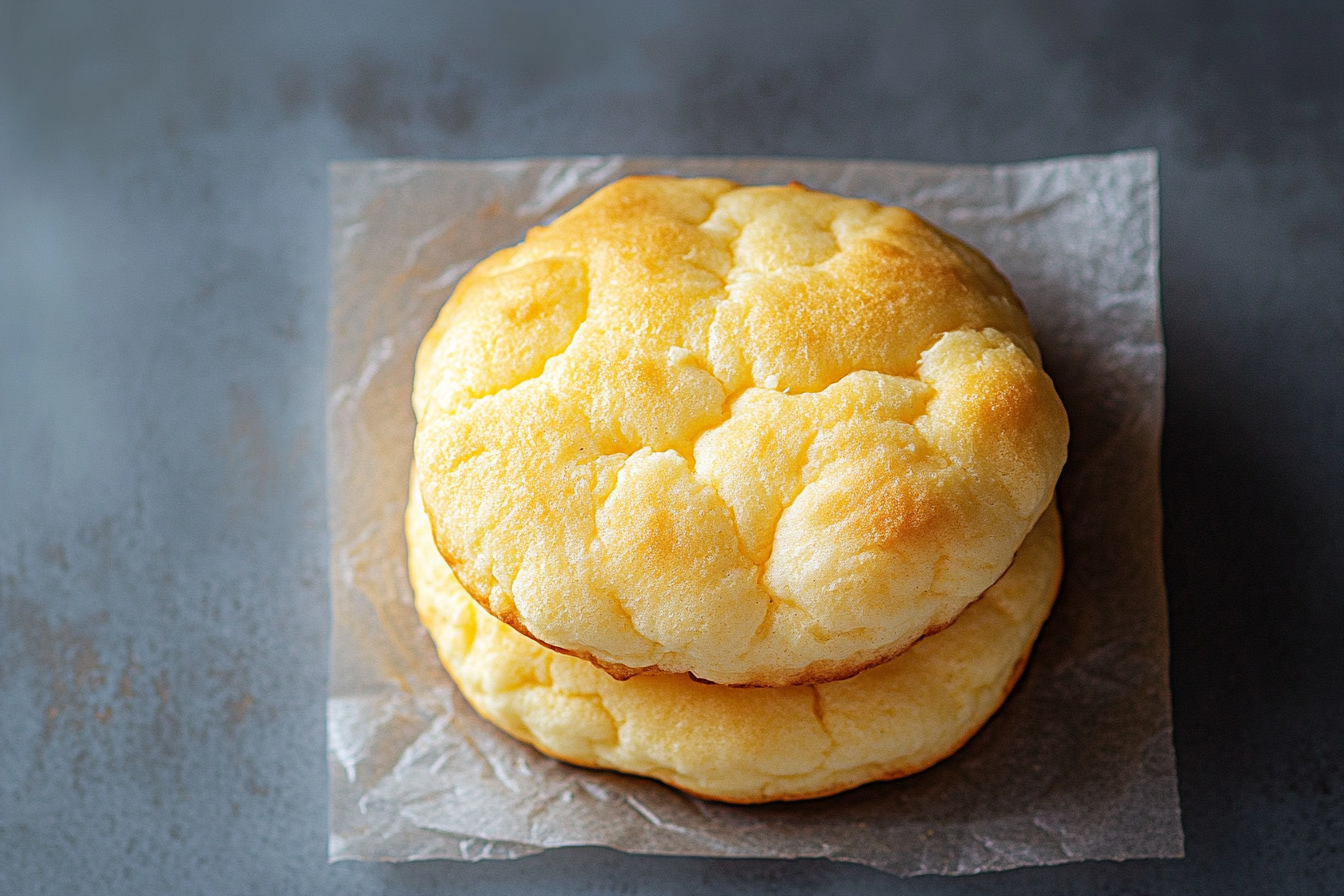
x: 745, y: 745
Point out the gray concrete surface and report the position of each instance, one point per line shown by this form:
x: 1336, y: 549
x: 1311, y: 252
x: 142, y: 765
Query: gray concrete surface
x: 163, y: 616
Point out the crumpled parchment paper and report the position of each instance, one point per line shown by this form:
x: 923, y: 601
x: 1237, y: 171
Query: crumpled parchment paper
x: 1079, y: 762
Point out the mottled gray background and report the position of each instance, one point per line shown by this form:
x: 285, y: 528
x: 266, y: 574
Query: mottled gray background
x: 163, y: 597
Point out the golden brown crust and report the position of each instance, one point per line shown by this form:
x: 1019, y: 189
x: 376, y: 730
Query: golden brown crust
x: 765, y: 436
x: 746, y: 745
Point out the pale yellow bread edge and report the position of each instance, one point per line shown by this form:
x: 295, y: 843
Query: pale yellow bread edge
x: 745, y: 745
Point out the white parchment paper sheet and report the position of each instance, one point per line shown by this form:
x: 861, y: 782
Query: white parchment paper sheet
x: 1078, y: 764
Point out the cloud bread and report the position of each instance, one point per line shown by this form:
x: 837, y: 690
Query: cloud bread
x: 766, y: 436
x: 745, y: 745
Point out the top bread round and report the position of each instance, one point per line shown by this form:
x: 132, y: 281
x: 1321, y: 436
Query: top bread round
x: 763, y: 435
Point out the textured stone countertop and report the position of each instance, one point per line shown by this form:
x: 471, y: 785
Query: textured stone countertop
x: 163, y: 284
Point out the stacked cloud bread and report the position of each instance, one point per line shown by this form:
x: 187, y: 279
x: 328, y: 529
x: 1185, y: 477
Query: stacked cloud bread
x: 745, y: 489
